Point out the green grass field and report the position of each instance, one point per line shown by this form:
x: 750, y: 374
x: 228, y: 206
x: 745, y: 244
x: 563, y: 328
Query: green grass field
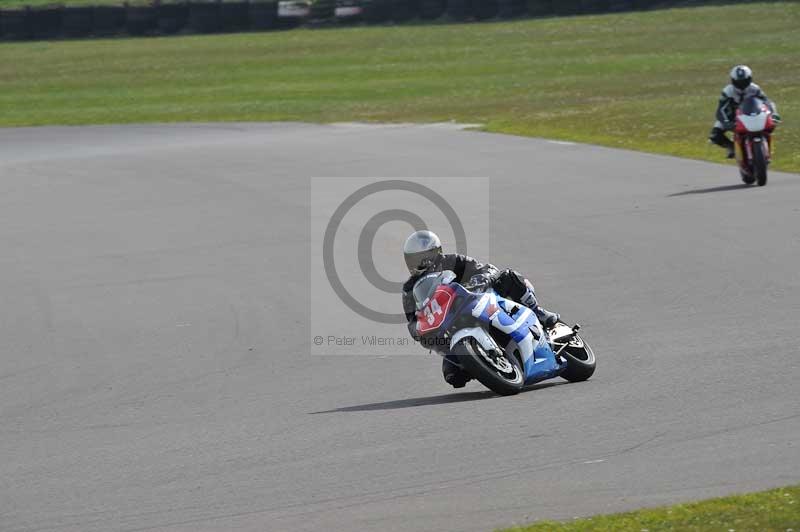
x: 769, y: 511
x: 644, y: 81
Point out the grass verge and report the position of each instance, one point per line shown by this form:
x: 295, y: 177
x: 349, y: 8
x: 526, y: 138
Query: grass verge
x: 776, y: 510
x: 645, y: 81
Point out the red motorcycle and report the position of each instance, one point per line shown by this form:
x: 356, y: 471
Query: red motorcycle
x: 752, y: 136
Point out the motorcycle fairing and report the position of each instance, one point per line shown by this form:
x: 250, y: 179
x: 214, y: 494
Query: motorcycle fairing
x: 754, y: 125
x: 753, y: 122
x: 519, y: 323
x: 429, y: 320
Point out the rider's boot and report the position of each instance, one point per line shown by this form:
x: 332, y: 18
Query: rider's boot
x: 453, y: 375
x: 512, y: 284
x: 548, y: 319
x: 717, y: 136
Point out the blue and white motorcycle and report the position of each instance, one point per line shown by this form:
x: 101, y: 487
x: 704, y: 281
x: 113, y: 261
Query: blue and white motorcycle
x: 497, y: 341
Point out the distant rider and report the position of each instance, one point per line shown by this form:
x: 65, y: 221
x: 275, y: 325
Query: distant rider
x: 423, y: 254
x: 740, y: 87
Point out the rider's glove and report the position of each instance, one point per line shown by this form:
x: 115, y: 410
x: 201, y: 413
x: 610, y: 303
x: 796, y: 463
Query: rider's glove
x: 479, y: 281
x: 776, y: 117
x: 728, y: 125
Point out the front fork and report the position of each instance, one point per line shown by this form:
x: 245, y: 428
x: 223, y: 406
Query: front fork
x: 744, y: 149
x: 566, y: 339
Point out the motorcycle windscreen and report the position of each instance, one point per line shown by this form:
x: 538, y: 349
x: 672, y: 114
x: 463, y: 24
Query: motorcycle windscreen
x: 426, y: 286
x: 752, y: 106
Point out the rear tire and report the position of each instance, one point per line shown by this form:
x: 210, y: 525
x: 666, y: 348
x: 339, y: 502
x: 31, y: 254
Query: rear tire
x: 477, y: 362
x: 580, y: 361
x: 760, y: 164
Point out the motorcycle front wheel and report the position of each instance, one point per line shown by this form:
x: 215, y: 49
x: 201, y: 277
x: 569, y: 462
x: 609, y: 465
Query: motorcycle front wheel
x: 496, y: 370
x: 760, y: 164
x: 580, y: 360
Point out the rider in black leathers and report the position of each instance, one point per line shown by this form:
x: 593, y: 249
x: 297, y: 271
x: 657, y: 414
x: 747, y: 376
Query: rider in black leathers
x: 740, y: 87
x: 423, y: 254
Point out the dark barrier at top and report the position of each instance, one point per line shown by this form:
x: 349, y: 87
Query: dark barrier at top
x: 54, y: 22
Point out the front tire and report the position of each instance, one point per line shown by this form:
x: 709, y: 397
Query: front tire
x: 760, y: 164
x: 496, y: 370
x: 580, y: 361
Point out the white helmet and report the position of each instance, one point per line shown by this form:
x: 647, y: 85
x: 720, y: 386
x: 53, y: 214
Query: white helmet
x: 421, y: 250
x: 741, y: 76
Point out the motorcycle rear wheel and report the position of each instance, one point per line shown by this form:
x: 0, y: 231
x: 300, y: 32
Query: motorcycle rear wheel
x: 497, y: 371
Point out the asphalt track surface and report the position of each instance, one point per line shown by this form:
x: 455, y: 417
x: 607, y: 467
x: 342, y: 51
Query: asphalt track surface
x: 155, y: 373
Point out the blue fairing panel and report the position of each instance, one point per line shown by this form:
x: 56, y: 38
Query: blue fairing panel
x: 538, y: 360
x: 542, y: 365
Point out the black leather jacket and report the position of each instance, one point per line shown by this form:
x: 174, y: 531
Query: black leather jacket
x: 731, y: 97
x: 463, y: 266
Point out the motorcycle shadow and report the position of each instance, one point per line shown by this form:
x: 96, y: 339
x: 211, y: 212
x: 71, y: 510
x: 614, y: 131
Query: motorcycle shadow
x: 710, y: 190
x: 457, y: 397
